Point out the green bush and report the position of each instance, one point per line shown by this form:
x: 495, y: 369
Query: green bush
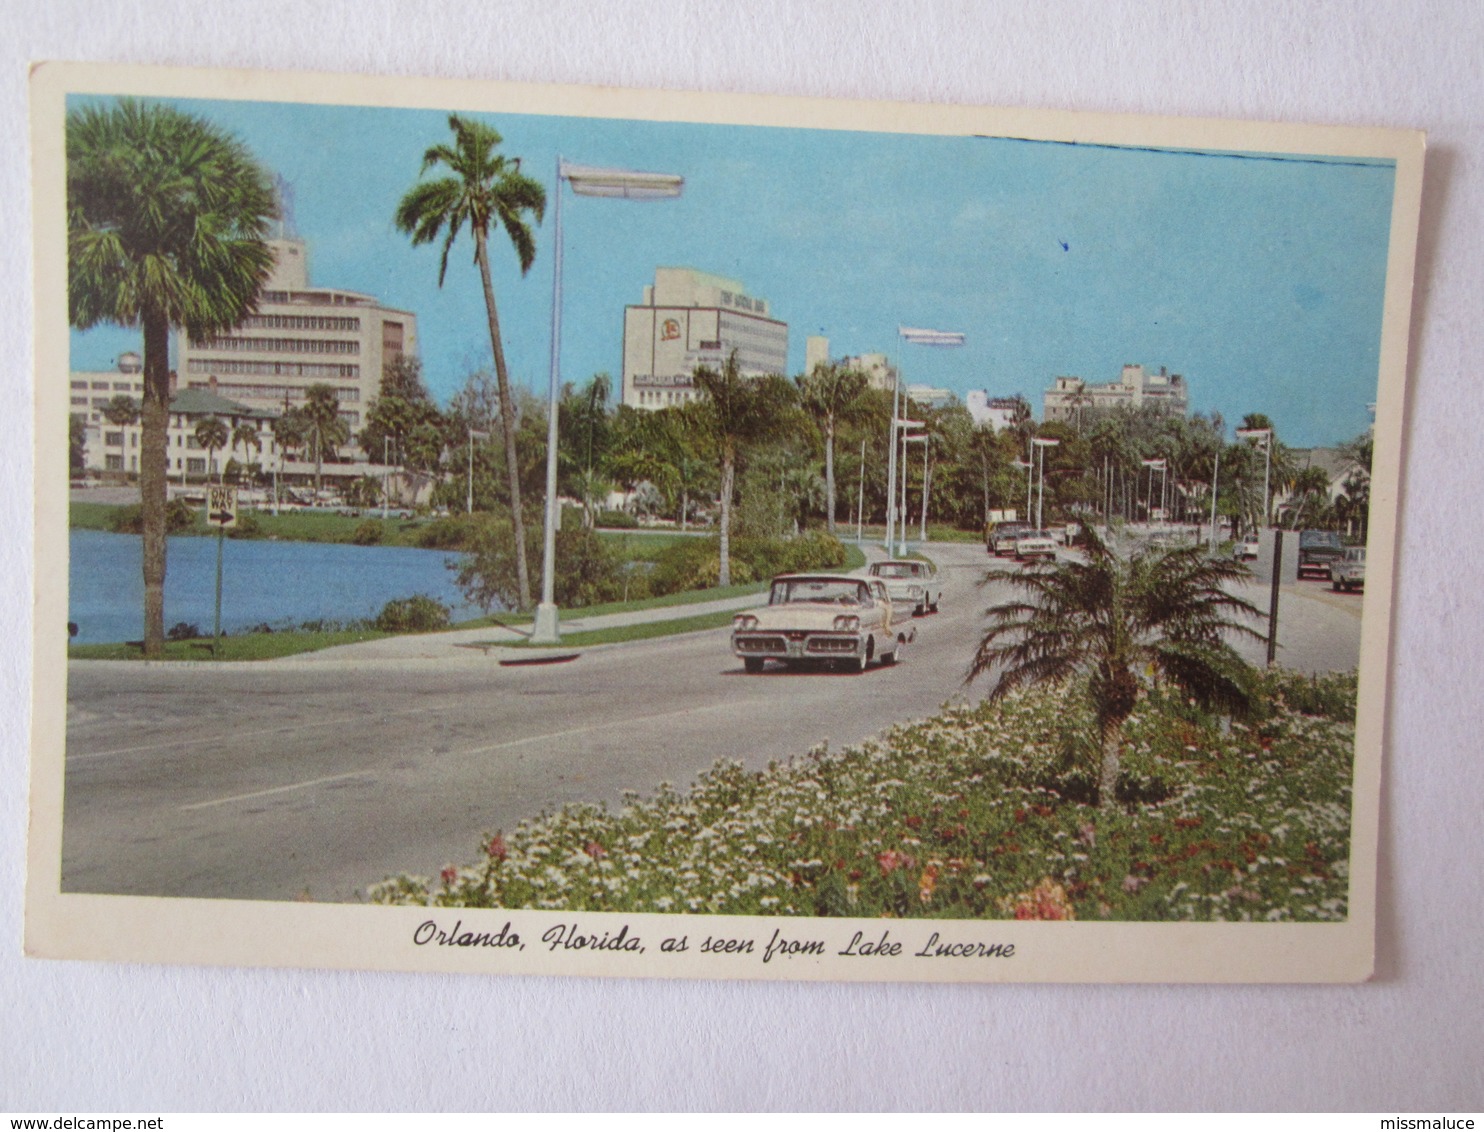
x: 416, y: 614
x: 588, y: 569
x: 694, y: 564
x: 453, y: 532
x: 369, y: 533
x: 248, y: 526
x: 179, y: 516
x: 619, y: 520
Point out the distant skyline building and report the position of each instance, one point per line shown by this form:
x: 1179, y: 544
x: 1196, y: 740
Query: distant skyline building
x: 689, y: 318
x: 995, y: 413
x: 1135, y: 388
x: 880, y: 373
x: 301, y: 335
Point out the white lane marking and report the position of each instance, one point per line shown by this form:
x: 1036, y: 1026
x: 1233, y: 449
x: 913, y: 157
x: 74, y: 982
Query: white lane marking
x: 274, y: 790
x: 472, y: 751
x: 611, y: 725
x: 232, y: 736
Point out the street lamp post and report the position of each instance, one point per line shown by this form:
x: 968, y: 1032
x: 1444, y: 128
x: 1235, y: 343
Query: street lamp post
x: 1027, y: 464
x: 908, y: 438
x: 915, y: 336
x: 926, y: 444
x: 1041, y: 443
x: 625, y: 184
x: 386, y: 466
x: 1215, y: 475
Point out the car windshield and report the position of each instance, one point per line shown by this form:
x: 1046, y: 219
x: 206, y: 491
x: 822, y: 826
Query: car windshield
x: 895, y: 570
x: 1355, y: 554
x: 1033, y: 534
x: 825, y: 591
x: 1319, y: 538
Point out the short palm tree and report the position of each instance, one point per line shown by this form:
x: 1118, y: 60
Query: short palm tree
x: 831, y: 394
x: 122, y: 411
x: 485, y: 188
x: 733, y: 412
x: 211, y: 434
x: 246, y: 436
x: 1111, y: 617
x: 167, y: 216
x: 323, y: 427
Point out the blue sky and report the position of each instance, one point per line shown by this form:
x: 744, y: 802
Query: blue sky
x: 1259, y: 278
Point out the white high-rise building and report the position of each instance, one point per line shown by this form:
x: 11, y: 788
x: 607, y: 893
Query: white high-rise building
x: 300, y: 336
x: 688, y: 319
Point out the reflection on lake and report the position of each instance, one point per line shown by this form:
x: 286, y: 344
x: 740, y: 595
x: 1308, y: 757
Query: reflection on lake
x: 281, y: 583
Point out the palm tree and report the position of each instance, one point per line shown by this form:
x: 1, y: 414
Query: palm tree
x: 122, y: 411
x: 734, y: 411
x: 1107, y: 619
x: 247, y: 437
x: 831, y: 394
x: 485, y: 188
x: 166, y: 219
x: 211, y: 434
x: 288, y: 434
x: 323, y: 426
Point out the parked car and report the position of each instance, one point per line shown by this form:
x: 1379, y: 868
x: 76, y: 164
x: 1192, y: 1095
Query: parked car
x: 1245, y: 549
x: 1347, y: 572
x: 1316, y: 550
x: 999, y: 539
x: 910, y: 582
x: 1031, y: 544
x: 831, y: 619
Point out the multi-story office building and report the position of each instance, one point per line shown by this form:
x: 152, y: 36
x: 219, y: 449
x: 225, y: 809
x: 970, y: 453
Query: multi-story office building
x: 300, y: 336
x: 1135, y: 389
x: 994, y: 413
x: 688, y: 319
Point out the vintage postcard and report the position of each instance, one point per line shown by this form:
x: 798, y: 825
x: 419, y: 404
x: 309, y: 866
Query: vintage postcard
x: 519, y: 529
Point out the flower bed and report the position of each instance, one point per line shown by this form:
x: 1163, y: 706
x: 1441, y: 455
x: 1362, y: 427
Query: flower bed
x: 979, y: 812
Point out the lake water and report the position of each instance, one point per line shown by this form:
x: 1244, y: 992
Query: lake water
x: 281, y: 583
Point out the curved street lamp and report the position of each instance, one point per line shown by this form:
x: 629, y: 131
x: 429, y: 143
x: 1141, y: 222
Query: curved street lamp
x: 586, y: 181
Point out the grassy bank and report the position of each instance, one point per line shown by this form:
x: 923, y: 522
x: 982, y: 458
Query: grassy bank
x: 246, y: 646
x: 981, y: 812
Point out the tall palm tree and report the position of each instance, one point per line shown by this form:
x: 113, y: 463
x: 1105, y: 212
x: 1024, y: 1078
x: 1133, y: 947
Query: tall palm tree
x: 166, y: 222
x: 734, y: 411
x: 831, y: 394
x: 211, y: 434
x: 485, y: 188
x: 122, y: 411
x: 323, y: 427
x: 1107, y: 619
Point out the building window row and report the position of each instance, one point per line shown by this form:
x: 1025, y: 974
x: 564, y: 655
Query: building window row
x: 242, y: 391
x: 299, y: 322
x: 273, y: 369
x: 284, y: 345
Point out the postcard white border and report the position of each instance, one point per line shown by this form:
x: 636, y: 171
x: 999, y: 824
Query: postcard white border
x: 188, y: 931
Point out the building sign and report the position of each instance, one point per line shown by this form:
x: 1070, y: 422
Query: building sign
x: 669, y: 330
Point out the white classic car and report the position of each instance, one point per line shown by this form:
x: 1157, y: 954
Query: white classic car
x: 830, y: 618
x: 911, y: 582
x: 1347, y: 572
x: 1031, y: 544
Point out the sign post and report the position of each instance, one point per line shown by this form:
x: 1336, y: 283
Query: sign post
x: 221, y: 513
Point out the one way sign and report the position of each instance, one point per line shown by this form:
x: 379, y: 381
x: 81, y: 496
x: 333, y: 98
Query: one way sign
x: 221, y: 507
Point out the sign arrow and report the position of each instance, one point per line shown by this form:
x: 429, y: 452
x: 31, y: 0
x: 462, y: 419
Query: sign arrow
x: 222, y: 517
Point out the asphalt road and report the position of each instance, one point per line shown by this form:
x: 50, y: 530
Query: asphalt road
x: 283, y: 780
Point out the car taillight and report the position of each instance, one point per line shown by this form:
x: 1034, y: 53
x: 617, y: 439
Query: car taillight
x: 847, y: 623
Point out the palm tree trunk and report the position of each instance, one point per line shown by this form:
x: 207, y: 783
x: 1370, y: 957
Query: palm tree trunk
x: 153, y: 468
x: 1112, y: 745
x: 829, y: 471
x: 728, y: 470
x: 507, y: 418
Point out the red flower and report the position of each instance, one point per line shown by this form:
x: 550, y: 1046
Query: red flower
x: 595, y: 851
x: 497, y: 848
x: 914, y: 823
x: 449, y: 875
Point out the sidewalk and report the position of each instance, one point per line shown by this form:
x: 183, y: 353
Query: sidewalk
x: 461, y: 643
